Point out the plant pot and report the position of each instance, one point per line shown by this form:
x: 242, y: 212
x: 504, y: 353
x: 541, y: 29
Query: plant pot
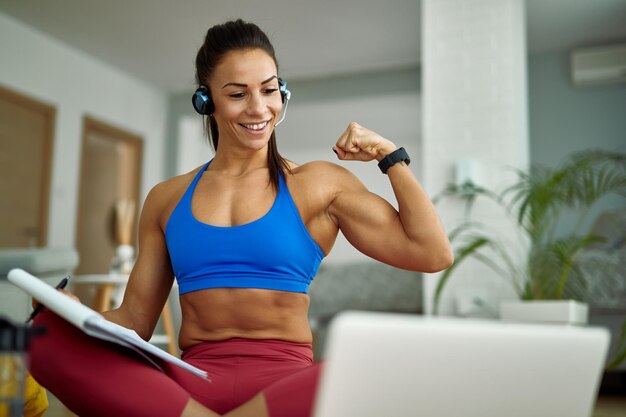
x: 545, y: 311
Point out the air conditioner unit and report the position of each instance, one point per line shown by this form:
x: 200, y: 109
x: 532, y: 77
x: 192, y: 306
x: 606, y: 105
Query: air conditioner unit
x: 599, y: 65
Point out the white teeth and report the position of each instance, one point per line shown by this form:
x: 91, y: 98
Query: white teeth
x: 255, y: 126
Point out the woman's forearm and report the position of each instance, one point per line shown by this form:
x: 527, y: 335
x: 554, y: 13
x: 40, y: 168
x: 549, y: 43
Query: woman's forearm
x: 417, y: 214
x: 122, y: 317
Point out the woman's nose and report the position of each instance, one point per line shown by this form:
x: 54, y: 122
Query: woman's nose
x: 256, y: 104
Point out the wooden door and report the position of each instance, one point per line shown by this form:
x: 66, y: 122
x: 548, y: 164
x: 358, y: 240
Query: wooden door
x: 110, y: 178
x: 26, y: 132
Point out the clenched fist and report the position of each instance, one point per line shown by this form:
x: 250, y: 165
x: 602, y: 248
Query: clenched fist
x: 360, y: 144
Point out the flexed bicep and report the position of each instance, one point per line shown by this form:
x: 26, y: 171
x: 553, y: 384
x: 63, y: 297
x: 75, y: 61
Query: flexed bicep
x: 373, y: 226
x: 411, y: 237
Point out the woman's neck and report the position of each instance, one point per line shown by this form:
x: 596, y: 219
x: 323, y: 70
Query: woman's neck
x: 239, y: 162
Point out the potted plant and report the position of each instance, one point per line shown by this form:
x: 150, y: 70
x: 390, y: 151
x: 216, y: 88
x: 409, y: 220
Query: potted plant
x: 537, y: 202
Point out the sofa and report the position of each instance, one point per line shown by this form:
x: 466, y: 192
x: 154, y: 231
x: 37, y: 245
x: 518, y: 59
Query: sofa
x: 360, y: 285
x: 604, y: 268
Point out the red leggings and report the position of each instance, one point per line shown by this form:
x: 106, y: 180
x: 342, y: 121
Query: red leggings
x: 96, y: 378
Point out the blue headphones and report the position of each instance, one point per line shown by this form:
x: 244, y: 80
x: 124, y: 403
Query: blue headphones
x: 204, y: 105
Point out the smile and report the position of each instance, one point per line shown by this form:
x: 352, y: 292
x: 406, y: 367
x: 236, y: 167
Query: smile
x: 256, y: 126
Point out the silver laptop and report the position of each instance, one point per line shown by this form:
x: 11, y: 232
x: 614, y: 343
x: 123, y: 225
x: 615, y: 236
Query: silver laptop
x: 382, y: 365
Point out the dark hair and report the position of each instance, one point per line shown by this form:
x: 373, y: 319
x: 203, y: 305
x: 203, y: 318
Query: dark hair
x: 221, y: 39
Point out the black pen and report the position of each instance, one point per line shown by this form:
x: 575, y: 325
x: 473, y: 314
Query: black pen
x: 40, y: 306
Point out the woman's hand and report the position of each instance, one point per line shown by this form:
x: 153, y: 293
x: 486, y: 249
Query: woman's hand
x: 71, y: 295
x: 360, y: 144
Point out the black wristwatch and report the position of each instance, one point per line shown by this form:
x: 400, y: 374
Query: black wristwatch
x: 399, y: 155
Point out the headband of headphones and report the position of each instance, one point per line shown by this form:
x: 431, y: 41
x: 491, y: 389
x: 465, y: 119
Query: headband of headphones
x: 203, y: 104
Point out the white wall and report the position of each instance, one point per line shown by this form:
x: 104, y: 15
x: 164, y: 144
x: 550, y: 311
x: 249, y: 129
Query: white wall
x: 475, y: 107
x: 76, y: 84
x: 193, y: 147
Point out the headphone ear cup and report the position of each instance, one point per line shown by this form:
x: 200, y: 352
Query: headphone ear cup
x: 284, y: 93
x: 202, y: 101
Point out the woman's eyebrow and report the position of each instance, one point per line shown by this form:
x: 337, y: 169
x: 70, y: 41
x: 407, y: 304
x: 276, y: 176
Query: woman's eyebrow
x: 245, y: 85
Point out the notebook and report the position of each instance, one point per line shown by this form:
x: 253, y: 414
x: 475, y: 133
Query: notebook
x: 92, y: 322
x: 380, y: 364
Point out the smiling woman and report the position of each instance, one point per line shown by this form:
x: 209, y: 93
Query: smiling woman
x: 219, y: 44
x: 244, y: 235
x: 246, y: 112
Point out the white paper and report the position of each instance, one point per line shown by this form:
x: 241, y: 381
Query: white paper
x: 91, y: 322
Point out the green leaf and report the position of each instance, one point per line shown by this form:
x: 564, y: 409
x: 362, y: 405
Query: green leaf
x: 468, y: 192
x: 536, y: 202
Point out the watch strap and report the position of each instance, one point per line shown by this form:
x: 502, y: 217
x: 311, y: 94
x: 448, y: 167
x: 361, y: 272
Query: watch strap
x: 399, y: 155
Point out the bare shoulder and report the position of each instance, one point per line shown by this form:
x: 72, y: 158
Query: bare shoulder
x: 328, y: 175
x: 163, y: 197
x: 167, y: 189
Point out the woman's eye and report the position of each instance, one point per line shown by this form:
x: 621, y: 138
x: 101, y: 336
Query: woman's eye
x: 271, y: 90
x: 237, y: 95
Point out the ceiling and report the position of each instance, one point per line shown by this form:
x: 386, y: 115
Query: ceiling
x: 156, y: 40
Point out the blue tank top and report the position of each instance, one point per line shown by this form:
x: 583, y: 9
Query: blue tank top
x: 275, y: 252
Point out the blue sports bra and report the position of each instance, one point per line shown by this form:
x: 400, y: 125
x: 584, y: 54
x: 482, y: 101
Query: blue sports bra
x: 275, y: 252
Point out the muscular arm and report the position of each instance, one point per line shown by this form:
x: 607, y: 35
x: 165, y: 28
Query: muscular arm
x: 410, y: 238
x: 151, y: 278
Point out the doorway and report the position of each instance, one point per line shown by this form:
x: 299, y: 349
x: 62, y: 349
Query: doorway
x: 26, y: 136
x: 109, y: 194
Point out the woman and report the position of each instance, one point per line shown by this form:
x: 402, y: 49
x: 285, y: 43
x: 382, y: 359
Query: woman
x: 244, y: 235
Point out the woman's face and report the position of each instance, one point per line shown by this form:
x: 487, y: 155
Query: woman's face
x: 244, y: 88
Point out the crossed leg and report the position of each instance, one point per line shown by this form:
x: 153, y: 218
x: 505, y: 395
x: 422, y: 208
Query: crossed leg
x: 102, y: 379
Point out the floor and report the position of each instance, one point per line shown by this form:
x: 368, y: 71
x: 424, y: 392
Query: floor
x: 607, y: 406
x: 610, y: 406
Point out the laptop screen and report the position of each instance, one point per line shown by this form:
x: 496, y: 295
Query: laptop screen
x: 383, y: 364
